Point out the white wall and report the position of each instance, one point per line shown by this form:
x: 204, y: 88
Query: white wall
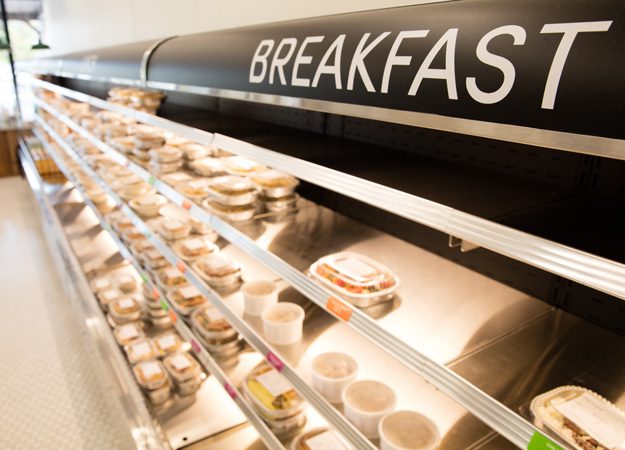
x: 82, y: 24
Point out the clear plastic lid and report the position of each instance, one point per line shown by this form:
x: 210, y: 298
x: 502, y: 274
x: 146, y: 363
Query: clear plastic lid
x: 182, y: 366
x: 231, y: 185
x: 126, y: 333
x: 274, y: 178
x: 409, y: 430
x: 271, y: 393
x: 150, y: 374
x: 140, y: 350
x: 577, y: 415
x: 239, y: 165
x: 186, y: 297
x: 355, y: 275
x: 210, y: 319
x: 217, y: 265
x: 167, y: 343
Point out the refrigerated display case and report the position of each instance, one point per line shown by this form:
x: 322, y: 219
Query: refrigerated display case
x: 445, y: 245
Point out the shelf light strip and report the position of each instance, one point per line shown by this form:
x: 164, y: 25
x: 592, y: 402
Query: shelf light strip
x: 338, y: 421
x: 500, y: 418
x: 591, y: 270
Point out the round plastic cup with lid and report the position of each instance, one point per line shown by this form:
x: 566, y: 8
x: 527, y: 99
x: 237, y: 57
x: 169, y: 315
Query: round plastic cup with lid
x: 258, y: 295
x: 331, y: 372
x: 407, y: 430
x: 283, y: 323
x: 365, y: 402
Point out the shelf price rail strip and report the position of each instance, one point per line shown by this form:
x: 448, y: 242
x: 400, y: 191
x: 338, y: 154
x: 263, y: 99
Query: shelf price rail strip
x: 503, y: 420
x: 338, y: 421
x: 203, y: 355
x: 591, y: 270
x: 145, y: 434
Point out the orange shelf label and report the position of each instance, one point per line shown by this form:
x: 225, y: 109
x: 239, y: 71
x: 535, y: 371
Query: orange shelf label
x: 180, y: 265
x: 172, y: 316
x: 342, y: 311
x: 186, y: 204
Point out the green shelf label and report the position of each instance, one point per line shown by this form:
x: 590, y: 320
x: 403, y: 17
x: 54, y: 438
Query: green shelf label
x: 541, y: 442
x: 151, y: 180
x: 164, y: 306
x: 144, y: 277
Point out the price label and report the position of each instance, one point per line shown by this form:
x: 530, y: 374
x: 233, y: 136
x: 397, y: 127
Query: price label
x: 147, y: 233
x: 341, y: 310
x: 275, y: 361
x: 172, y: 316
x: 155, y: 295
x: 186, y: 204
x: 195, y: 346
x: 232, y: 392
x: 151, y: 180
x: 540, y: 442
x: 144, y: 277
x: 164, y: 305
x: 180, y: 266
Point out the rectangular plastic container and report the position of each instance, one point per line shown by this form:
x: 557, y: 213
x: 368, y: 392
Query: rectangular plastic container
x: 594, y: 418
x: 357, y: 278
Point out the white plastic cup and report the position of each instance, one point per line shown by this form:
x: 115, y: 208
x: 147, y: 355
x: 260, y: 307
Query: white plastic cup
x: 258, y: 295
x: 283, y: 323
x: 403, y: 430
x: 331, y: 372
x: 365, y: 402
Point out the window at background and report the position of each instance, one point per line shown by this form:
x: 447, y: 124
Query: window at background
x: 23, y: 37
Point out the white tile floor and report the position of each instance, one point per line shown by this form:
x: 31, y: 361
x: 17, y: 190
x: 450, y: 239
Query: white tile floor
x: 53, y: 394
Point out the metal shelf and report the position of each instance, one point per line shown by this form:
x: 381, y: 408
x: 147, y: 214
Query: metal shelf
x: 202, y: 354
x: 591, y: 270
x: 503, y: 420
x: 145, y: 431
x: 337, y: 420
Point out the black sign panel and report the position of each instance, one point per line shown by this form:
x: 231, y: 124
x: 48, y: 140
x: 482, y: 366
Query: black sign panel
x: 555, y: 65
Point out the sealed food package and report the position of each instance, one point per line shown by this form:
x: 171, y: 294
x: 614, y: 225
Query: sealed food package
x: 193, y: 247
x: 365, y: 402
x: 232, y: 190
x: 199, y: 227
x: 272, y: 394
x: 147, y: 137
x: 126, y: 309
x: 239, y: 165
x: 149, y: 205
x: 331, y: 373
x: 207, y: 167
x: 401, y: 430
x: 126, y: 282
x: 218, y: 270
x: 101, y: 284
x: 176, y: 177
x: 165, y: 154
x: 172, y: 229
x: 193, y: 151
x: 186, y: 298
x: 232, y: 213
x: 319, y: 439
x: 140, y: 350
x: 128, y: 332
x: 169, y: 277
x: 152, y: 377
x: 580, y: 417
x: 150, y: 374
x: 182, y: 367
x: 357, y: 278
x: 108, y: 296
x: 211, y: 324
x: 275, y: 184
x: 167, y: 343
x: 123, y: 144
x: 154, y: 259
x: 279, y: 204
x: 194, y: 189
